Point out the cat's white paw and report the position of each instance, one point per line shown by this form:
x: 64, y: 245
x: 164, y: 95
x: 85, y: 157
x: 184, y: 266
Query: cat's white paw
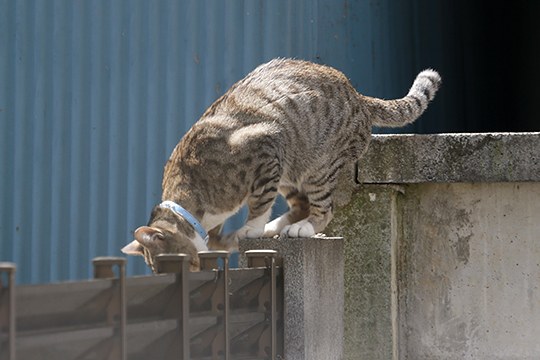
x: 300, y: 229
x: 275, y: 226
x: 249, y: 232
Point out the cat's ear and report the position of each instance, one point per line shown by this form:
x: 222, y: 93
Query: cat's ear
x: 146, y: 236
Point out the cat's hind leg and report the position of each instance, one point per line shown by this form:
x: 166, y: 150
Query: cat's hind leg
x: 298, y: 210
x: 319, y: 191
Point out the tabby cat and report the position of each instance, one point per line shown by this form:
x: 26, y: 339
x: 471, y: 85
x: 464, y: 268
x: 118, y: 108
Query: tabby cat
x: 289, y: 127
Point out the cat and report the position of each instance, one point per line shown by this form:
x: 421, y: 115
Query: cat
x: 289, y: 127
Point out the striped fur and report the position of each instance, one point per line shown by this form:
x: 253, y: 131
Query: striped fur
x: 289, y: 127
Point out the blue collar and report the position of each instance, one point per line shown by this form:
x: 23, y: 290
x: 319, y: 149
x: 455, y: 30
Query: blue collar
x: 187, y: 216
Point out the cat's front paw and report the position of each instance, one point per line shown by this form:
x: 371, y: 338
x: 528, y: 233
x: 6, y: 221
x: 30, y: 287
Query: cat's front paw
x: 275, y: 226
x: 302, y: 228
x: 249, y: 232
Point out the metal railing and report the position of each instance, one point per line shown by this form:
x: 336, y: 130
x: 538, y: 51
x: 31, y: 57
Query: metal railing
x: 217, y: 313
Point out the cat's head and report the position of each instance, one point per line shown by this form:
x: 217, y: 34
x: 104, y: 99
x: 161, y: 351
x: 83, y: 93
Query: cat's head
x: 166, y: 233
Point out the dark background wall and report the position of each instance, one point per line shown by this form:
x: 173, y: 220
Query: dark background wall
x: 488, y: 54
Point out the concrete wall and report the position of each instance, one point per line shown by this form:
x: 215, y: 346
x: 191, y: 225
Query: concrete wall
x: 313, y: 295
x: 442, y: 249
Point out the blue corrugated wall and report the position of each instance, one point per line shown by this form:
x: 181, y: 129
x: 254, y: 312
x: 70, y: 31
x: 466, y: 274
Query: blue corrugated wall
x: 94, y: 95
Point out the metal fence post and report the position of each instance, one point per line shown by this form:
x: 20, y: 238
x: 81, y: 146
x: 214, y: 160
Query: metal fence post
x: 179, y: 264
x: 209, y: 261
x: 267, y: 258
x: 8, y: 310
x: 103, y: 269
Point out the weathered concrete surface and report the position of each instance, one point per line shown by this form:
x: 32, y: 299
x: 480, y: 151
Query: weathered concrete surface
x: 369, y: 227
x: 470, y: 272
x: 496, y: 157
x: 447, y: 264
x: 313, y: 276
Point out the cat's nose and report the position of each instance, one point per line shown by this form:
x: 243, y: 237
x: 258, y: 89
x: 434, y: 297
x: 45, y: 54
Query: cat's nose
x: 133, y: 248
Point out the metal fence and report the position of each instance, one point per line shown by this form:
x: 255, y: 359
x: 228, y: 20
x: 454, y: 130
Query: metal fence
x: 217, y: 313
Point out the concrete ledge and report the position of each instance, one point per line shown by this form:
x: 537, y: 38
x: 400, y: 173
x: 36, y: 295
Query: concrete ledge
x: 441, y: 248
x: 448, y: 158
x: 313, y: 294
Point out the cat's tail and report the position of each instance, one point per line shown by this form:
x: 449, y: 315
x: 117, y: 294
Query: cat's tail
x: 400, y: 112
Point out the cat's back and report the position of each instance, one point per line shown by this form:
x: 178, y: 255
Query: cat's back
x: 291, y: 71
x: 285, y: 77
x: 278, y: 83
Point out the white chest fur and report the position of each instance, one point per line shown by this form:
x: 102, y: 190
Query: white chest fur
x: 210, y: 221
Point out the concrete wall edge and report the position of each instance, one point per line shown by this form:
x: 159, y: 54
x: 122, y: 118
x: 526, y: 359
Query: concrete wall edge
x: 450, y: 158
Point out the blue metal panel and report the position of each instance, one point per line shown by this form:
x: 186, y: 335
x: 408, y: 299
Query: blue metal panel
x: 94, y: 95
